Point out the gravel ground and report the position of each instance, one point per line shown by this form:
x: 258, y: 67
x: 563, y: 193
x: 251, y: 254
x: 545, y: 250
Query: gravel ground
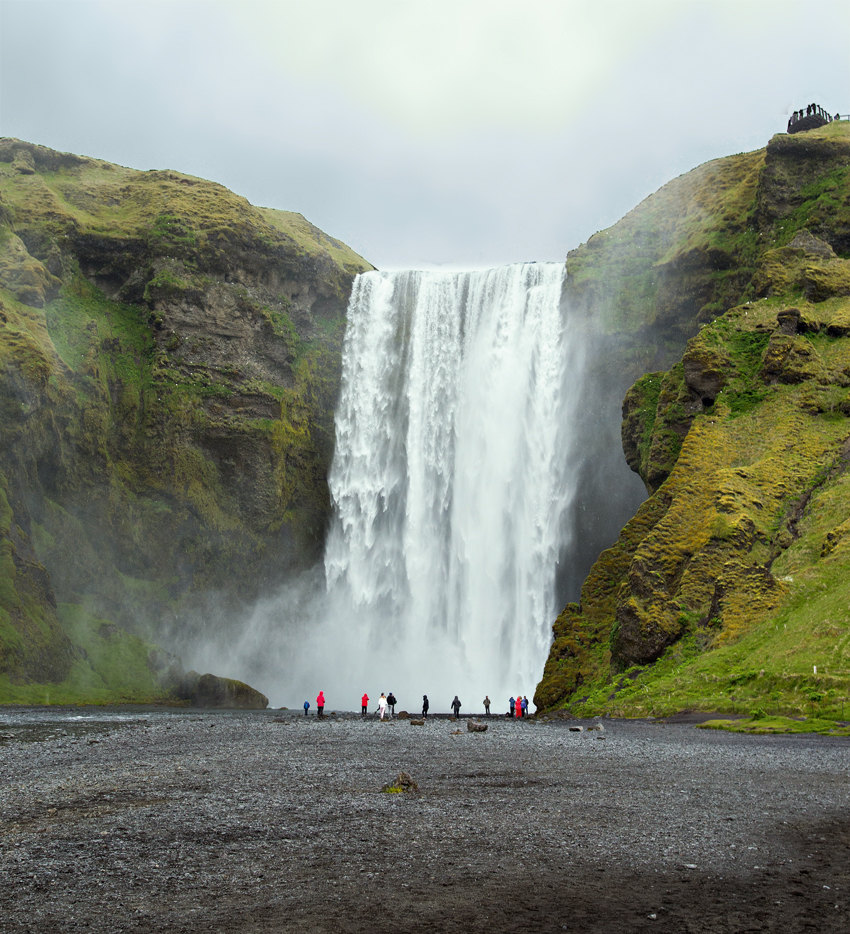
x: 271, y: 822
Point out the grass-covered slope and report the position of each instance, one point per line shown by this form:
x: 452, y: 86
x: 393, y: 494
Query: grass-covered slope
x: 169, y: 364
x: 730, y: 588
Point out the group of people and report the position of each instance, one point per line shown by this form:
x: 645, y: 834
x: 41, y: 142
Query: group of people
x: 518, y: 706
x: 809, y: 119
x: 386, y: 706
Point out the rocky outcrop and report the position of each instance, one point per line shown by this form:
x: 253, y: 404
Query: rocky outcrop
x: 742, y: 448
x: 169, y: 366
x: 636, y: 293
x: 212, y: 691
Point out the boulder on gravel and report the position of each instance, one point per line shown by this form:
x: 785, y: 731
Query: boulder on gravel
x: 213, y: 691
x: 473, y: 726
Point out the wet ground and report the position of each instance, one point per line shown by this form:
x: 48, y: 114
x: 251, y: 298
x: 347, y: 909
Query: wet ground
x: 190, y: 821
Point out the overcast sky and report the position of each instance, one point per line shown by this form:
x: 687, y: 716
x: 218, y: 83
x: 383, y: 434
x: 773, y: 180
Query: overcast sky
x: 462, y: 132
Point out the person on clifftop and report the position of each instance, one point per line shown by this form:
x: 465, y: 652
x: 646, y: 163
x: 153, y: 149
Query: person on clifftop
x: 456, y: 705
x: 382, y: 705
x: 524, y: 705
x: 320, y: 704
x: 425, y: 706
x: 306, y: 707
x: 391, y: 702
x: 487, y: 705
x: 364, y: 704
x: 511, y: 703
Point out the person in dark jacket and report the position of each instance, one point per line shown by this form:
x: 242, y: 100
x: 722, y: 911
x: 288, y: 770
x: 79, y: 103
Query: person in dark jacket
x: 391, y: 702
x: 456, y: 706
x: 511, y: 703
x: 425, y: 705
x: 487, y: 705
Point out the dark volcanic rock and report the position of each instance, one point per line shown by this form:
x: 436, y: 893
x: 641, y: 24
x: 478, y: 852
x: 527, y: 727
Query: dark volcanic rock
x: 213, y: 691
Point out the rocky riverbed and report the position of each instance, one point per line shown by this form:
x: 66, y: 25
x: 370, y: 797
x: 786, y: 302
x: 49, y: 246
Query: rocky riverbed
x: 267, y: 821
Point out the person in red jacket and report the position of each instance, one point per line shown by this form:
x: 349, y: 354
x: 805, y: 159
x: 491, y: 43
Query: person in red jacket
x: 517, y: 706
x: 320, y: 703
x: 364, y: 704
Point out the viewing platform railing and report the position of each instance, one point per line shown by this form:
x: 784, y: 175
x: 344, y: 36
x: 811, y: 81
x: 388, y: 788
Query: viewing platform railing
x: 811, y: 117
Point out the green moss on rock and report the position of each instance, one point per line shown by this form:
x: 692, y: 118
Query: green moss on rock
x: 716, y: 595
x: 168, y: 369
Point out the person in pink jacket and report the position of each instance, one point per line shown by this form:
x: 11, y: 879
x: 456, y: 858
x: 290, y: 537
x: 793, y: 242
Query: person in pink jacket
x: 364, y: 704
x: 518, y: 706
x: 320, y: 703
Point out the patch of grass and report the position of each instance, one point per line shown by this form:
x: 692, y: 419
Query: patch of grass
x: 313, y: 241
x: 764, y: 725
x: 111, y: 667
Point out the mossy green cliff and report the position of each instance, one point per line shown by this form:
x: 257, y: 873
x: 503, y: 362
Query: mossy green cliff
x: 730, y: 588
x: 169, y: 364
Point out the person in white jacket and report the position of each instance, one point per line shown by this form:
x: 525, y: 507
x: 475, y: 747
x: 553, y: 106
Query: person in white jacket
x: 382, y: 705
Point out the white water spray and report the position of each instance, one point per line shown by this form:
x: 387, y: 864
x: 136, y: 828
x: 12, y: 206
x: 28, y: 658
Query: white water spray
x: 449, y: 482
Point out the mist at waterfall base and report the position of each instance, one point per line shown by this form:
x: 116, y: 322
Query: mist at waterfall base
x: 462, y: 428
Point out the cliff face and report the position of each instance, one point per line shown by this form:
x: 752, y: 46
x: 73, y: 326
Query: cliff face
x: 635, y: 294
x: 169, y: 365
x: 730, y: 584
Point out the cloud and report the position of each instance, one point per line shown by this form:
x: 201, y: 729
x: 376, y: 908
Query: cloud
x: 451, y: 66
x: 454, y: 131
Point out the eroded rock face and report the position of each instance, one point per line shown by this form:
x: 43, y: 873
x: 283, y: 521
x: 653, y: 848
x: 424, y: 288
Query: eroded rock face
x: 168, y: 373
x: 796, y: 167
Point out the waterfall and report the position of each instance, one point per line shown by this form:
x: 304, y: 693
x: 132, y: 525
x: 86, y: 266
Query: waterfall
x: 477, y: 475
x: 450, y: 483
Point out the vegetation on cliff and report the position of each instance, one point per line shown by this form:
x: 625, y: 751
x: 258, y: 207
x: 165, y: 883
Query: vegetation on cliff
x: 730, y: 588
x: 169, y: 366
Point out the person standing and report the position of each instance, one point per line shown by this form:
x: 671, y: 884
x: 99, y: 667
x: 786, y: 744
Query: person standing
x: 320, y: 704
x: 456, y: 705
x: 391, y: 702
x: 524, y: 705
x: 486, y: 705
x: 364, y: 704
x: 511, y: 703
x: 306, y: 707
x: 518, y: 706
x: 382, y: 705
x: 425, y: 706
